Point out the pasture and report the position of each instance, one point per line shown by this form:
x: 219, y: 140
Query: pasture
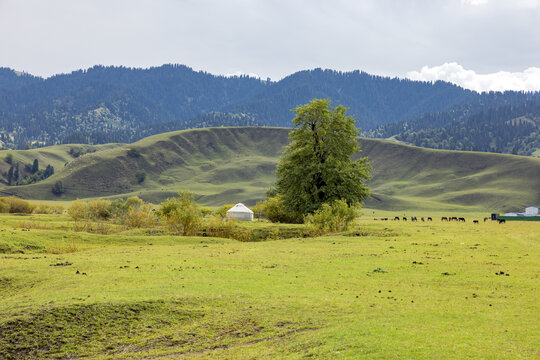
x: 384, y: 289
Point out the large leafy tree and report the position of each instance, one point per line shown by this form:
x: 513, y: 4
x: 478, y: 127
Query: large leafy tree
x: 317, y: 167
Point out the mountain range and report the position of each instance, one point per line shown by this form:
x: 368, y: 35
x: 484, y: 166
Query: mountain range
x: 118, y: 104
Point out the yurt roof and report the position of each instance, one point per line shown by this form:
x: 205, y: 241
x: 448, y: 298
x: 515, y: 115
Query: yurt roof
x: 240, y: 208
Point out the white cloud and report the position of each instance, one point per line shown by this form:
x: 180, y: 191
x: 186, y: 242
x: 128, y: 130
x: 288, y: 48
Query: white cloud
x: 527, y: 80
x: 531, y: 4
x: 474, y: 2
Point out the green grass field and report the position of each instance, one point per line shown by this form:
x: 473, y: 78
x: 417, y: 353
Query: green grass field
x: 231, y: 165
x: 383, y: 290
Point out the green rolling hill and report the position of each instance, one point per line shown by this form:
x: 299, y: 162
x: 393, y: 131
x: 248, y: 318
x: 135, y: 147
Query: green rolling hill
x: 227, y: 165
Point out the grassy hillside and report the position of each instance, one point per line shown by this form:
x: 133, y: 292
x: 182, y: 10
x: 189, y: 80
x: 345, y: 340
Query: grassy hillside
x: 57, y: 156
x: 227, y: 165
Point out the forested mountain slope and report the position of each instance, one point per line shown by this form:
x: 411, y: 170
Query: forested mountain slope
x: 511, y: 129
x: 118, y: 104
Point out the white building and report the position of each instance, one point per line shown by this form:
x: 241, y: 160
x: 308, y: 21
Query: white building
x: 512, y: 214
x: 240, y: 212
x: 532, y: 211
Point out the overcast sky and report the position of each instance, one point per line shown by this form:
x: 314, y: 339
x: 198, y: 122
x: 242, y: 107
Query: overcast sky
x: 479, y: 44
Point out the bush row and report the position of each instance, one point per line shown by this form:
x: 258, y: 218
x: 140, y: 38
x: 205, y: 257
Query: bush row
x: 15, y: 205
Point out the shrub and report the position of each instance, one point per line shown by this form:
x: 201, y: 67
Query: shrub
x: 221, y: 211
x: 78, y: 210
x: 99, y: 209
x: 4, y: 205
x: 134, y: 202
x: 140, y: 175
x: 15, y: 205
x: 58, y: 188
x: 9, y: 158
x: 140, y: 218
x: 205, y: 211
x: 134, y: 152
x: 259, y: 210
x: 275, y: 211
x: 181, y: 214
x: 227, y: 229
x: 332, y: 217
x: 118, y: 210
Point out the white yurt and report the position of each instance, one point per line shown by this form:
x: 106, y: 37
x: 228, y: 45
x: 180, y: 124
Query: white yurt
x: 240, y: 212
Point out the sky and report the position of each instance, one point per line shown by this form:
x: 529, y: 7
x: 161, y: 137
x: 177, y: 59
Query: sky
x: 478, y: 44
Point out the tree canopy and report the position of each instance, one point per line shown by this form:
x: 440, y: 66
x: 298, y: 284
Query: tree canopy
x: 317, y: 167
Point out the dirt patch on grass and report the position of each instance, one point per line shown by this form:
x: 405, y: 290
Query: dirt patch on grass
x: 84, y: 329
x: 8, y: 284
x: 386, y: 232
x: 162, y: 327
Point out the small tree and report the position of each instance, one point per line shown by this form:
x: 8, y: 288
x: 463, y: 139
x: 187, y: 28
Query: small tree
x: 58, y: 188
x: 317, y: 166
x: 181, y: 214
x: 134, y: 152
x: 140, y: 175
x: 49, y: 170
x: 10, y: 175
x: 35, y: 166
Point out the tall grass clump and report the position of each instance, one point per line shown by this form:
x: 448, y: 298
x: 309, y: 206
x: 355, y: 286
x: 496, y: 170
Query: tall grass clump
x: 64, y: 248
x: 43, y: 208
x: 33, y: 225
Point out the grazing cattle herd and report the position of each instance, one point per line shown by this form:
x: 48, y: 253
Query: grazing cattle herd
x: 444, y: 218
